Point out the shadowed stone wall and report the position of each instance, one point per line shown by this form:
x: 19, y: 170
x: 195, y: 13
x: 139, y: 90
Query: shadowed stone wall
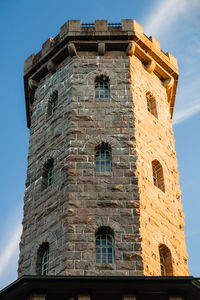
x: 68, y: 213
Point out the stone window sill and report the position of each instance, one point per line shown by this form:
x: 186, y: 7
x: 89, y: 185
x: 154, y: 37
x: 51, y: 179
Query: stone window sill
x: 104, y: 174
x: 105, y: 266
x: 46, y: 190
x: 102, y: 99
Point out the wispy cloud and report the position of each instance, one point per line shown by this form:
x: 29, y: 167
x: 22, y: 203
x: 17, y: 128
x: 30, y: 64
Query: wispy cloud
x: 186, y: 113
x: 188, y: 96
x: 164, y: 17
x: 10, y: 249
x: 166, y: 13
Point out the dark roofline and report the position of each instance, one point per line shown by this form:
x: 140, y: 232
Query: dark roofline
x: 22, y: 287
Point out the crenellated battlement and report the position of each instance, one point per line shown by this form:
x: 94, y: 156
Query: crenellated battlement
x: 101, y: 29
x: 100, y: 38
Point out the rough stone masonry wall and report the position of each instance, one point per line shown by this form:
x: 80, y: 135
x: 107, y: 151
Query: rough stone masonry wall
x: 68, y: 214
x: 45, y: 211
x: 103, y: 199
x: 161, y: 216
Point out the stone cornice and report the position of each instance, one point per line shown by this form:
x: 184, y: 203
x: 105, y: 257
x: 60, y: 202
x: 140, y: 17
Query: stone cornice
x: 100, y: 37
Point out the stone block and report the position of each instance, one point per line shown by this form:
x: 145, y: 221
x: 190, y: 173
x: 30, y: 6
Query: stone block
x: 168, y: 83
x: 130, y: 50
x: 172, y: 60
x: 72, y: 49
x: 151, y: 66
x: 33, y: 84
x: 101, y: 49
x: 127, y: 24
x: 101, y: 25
x: 131, y: 25
x: 156, y: 44
x: 70, y: 26
x: 51, y: 67
x: 28, y: 62
x: 47, y: 45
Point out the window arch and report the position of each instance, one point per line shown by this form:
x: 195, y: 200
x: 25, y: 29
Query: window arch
x: 166, y: 268
x: 104, y: 245
x: 42, y: 265
x: 103, y: 158
x: 47, y: 176
x: 53, y: 103
x: 102, y: 87
x: 151, y: 104
x: 158, y: 178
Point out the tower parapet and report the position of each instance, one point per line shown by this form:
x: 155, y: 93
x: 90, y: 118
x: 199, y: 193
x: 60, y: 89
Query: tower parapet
x: 100, y: 37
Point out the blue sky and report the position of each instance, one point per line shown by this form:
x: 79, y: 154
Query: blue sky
x: 24, y: 26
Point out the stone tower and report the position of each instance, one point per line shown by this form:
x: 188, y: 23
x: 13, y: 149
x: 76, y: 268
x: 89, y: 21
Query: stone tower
x: 102, y: 194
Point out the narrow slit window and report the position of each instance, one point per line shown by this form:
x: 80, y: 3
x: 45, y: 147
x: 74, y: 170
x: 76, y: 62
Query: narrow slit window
x: 166, y: 268
x: 104, y: 246
x: 45, y: 263
x: 48, y: 174
x: 42, y: 263
x: 103, y: 158
x: 158, y: 178
x: 149, y: 108
x: 162, y: 265
x: 155, y: 177
x: 50, y: 177
x: 102, y: 87
x: 151, y: 104
x: 53, y: 103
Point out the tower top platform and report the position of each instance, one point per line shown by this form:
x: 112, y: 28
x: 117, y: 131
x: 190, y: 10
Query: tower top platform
x: 100, y: 37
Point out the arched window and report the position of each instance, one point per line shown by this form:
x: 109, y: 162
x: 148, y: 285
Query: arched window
x: 50, y: 176
x: 103, y: 158
x: 45, y: 263
x: 158, y: 178
x: 102, y: 87
x: 53, y: 103
x: 162, y: 265
x: 165, y: 261
x: 42, y: 265
x: 151, y: 104
x: 104, y: 246
x: 47, y: 176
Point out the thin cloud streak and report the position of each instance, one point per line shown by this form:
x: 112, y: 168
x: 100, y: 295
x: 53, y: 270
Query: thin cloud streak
x: 10, y: 249
x: 186, y: 113
x: 165, y: 13
x: 161, y: 19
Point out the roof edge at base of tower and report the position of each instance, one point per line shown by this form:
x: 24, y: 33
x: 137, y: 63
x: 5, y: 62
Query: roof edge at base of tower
x: 180, y: 287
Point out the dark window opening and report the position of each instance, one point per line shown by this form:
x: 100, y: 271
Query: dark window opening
x: 103, y: 158
x: 53, y: 103
x: 158, y: 178
x: 42, y: 264
x: 47, y: 176
x: 166, y: 268
x: 104, y: 246
x: 151, y: 104
x: 102, y: 87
